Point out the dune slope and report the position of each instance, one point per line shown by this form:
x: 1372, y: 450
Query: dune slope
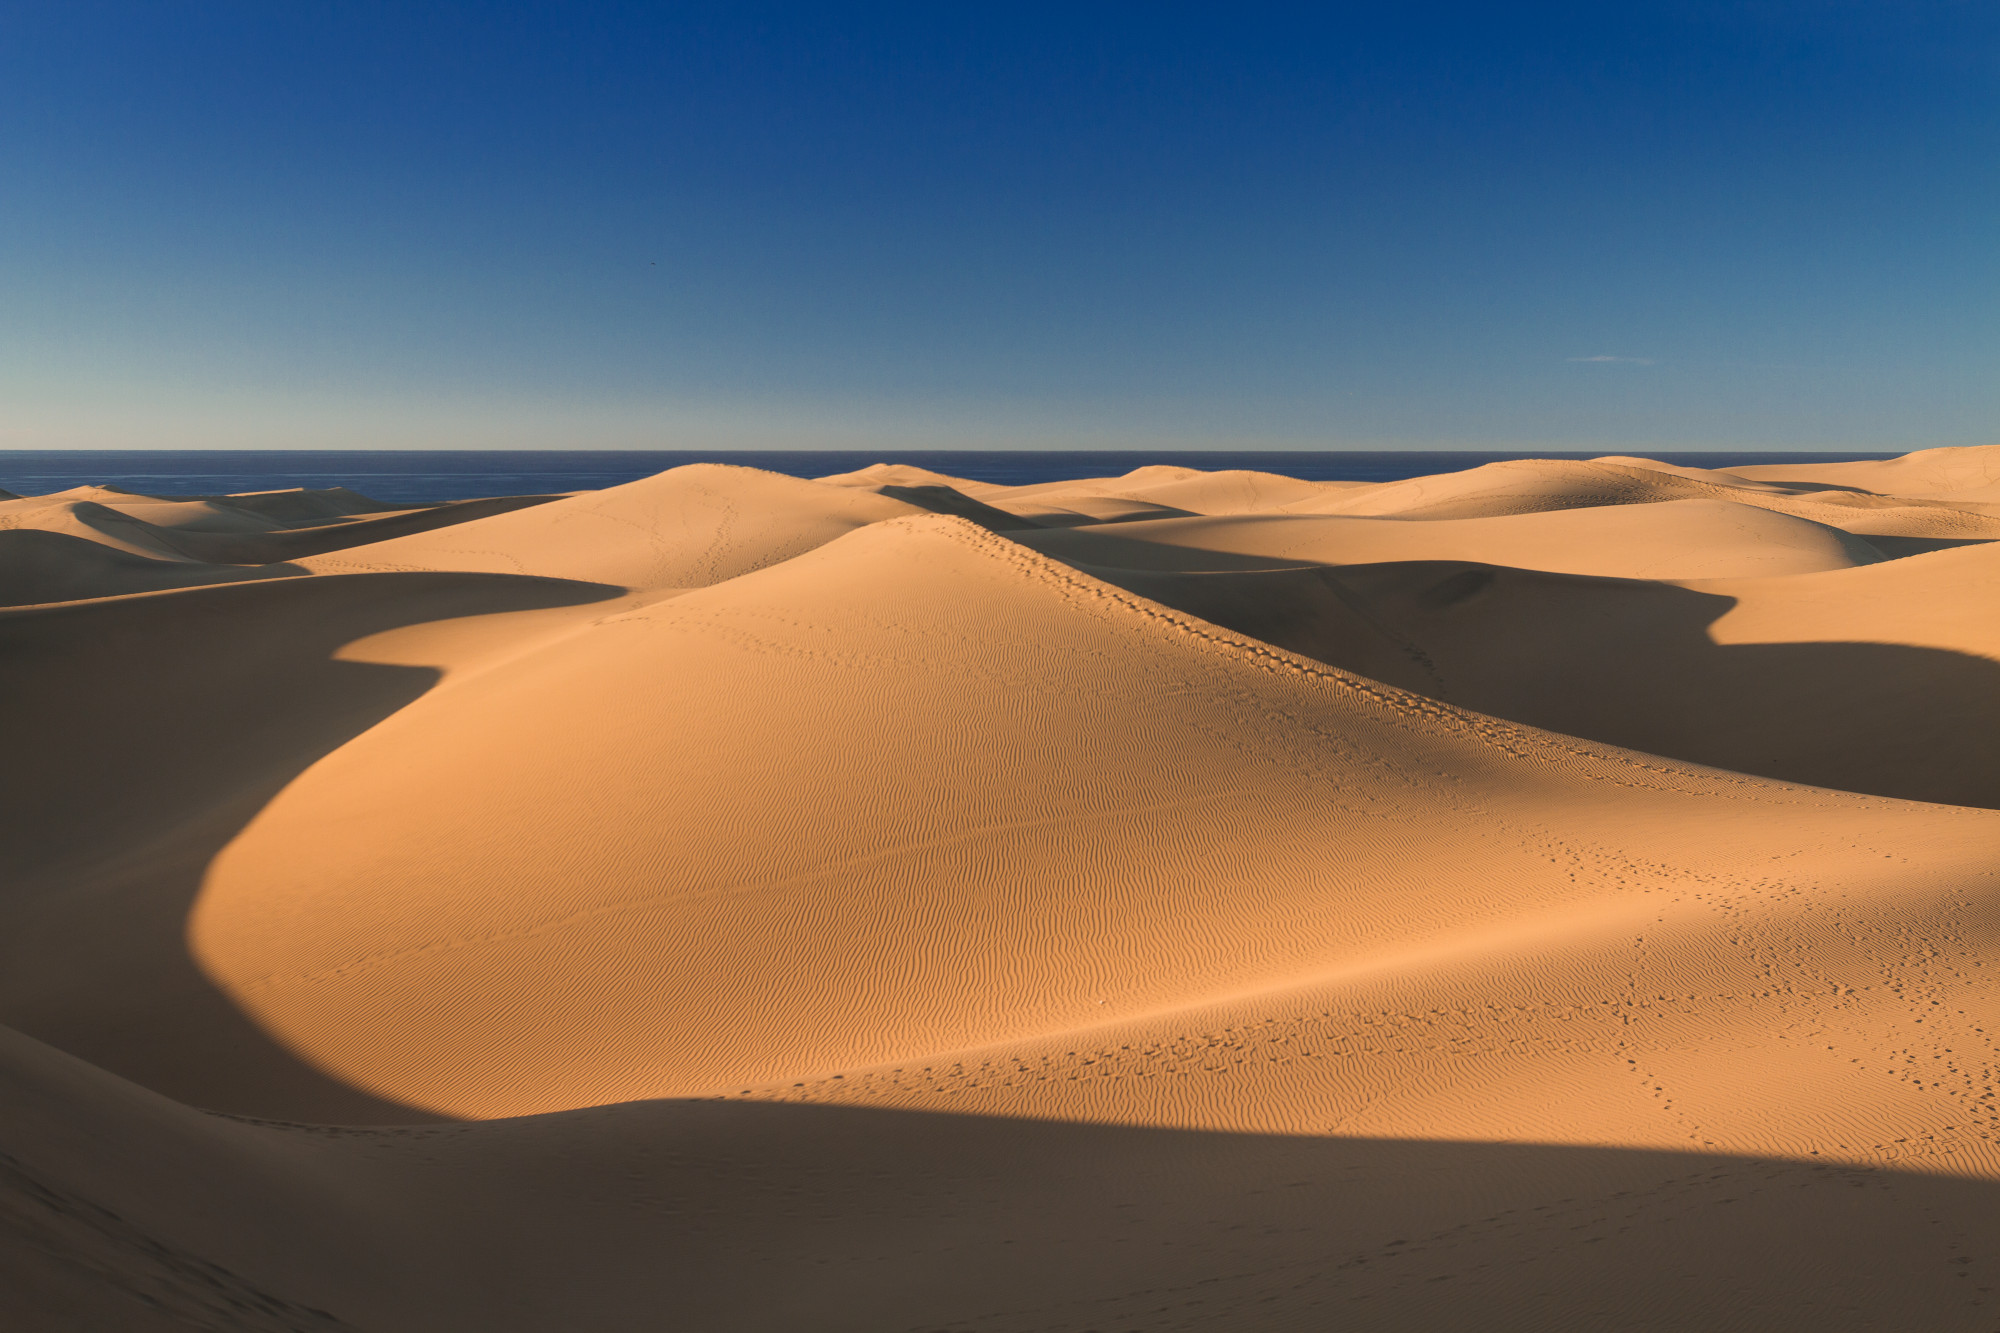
x: 686, y: 528
x: 1963, y: 474
x: 1855, y: 679
x: 1671, y: 539
x: 752, y: 1216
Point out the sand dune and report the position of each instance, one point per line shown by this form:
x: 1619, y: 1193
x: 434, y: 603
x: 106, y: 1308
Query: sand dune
x: 1165, y: 491
x: 1850, y: 680
x: 1527, y: 488
x: 1958, y: 475
x: 1673, y: 539
x: 236, y: 530
x: 686, y: 528
x: 38, y: 565
x: 749, y: 1216
x: 1550, y: 895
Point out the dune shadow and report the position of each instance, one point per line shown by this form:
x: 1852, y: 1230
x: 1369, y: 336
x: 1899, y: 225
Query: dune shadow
x: 1631, y: 663
x: 1901, y: 548
x: 950, y: 500
x: 759, y: 1216
x: 146, y: 732
x: 306, y: 540
x: 38, y: 567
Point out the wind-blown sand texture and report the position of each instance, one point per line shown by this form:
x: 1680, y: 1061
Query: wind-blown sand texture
x: 1553, y: 895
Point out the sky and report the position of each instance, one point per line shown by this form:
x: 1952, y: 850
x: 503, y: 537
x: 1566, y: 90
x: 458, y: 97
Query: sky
x: 409, y: 225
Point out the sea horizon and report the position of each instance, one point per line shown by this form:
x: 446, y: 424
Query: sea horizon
x: 419, y: 476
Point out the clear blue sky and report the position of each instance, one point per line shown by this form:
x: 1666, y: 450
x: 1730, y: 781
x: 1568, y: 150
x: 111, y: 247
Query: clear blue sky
x: 1625, y: 225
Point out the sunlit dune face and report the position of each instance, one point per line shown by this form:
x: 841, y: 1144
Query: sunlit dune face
x: 1020, y: 802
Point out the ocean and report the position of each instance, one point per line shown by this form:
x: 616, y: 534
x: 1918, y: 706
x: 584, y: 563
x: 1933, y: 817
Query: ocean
x: 428, y: 476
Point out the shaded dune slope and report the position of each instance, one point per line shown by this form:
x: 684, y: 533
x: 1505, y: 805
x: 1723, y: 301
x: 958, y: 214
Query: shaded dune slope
x: 38, y: 565
x: 1884, y: 680
x: 852, y: 1221
x: 96, y: 541
x: 221, y: 532
x: 163, y: 723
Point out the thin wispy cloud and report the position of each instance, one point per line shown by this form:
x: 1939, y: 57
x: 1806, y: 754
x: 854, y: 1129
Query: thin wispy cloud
x: 1615, y: 360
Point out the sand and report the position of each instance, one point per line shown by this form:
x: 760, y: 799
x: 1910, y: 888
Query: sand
x: 1550, y: 895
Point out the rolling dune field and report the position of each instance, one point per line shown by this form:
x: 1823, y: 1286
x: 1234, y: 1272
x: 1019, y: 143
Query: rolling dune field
x: 1552, y: 895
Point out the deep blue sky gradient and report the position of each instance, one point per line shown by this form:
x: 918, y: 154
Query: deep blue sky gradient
x: 685, y: 226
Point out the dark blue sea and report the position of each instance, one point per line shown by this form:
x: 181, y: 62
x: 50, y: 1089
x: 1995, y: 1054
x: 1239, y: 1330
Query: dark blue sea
x: 419, y: 476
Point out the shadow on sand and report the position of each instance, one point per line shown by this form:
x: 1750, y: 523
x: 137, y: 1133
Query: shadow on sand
x: 1628, y: 662
x: 146, y: 732
x: 735, y: 1217
x: 838, y: 1218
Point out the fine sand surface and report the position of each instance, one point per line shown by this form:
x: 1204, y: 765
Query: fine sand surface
x: 1552, y: 895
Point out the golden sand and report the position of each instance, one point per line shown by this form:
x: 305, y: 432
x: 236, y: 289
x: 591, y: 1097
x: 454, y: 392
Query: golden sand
x: 1550, y: 895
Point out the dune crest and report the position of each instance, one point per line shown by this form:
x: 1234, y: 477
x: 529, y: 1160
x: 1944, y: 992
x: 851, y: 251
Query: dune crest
x: 1178, y: 900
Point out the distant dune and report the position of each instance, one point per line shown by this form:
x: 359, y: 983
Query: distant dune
x: 1550, y: 895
